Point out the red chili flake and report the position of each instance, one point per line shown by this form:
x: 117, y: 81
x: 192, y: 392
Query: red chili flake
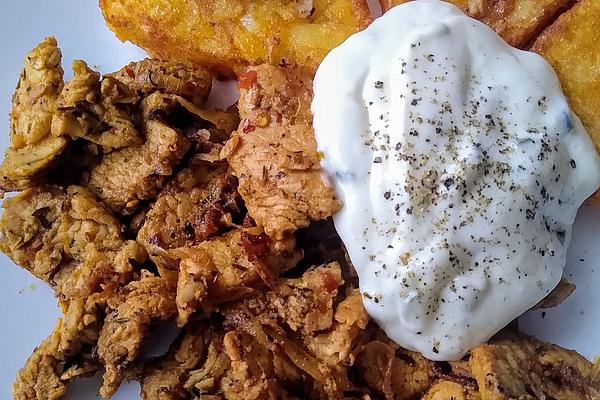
x: 129, y: 72
x: 247, y: 79
x: 330, y: 281
x: 322, y: 306
x: 248, y: 126
x: 208, y: 223
x: 255, y: 246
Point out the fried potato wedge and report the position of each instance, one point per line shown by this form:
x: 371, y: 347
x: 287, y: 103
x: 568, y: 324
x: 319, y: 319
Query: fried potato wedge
x: 571, y: 46
x: 517, y: 21
x: 229, y: 35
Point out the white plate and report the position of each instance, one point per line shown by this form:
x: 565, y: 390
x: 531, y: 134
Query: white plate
x: 28, y: 310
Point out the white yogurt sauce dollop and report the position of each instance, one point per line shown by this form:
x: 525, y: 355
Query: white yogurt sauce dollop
x: 460, y: 167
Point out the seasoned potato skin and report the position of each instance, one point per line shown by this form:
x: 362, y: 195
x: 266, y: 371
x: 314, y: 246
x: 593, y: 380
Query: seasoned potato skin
x: 228, y: 35
x: 570, y: 45
x: 517, y: 21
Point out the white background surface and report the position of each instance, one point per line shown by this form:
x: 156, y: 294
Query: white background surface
x: 28, y: 310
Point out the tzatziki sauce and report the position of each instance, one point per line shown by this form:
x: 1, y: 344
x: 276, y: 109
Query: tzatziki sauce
x: 460, y: 167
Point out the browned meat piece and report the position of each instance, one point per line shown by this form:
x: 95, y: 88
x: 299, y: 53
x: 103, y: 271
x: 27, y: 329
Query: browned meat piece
x: 274, y: 153
x: 52, y: 232
x: 515, y: 366
x: 251, y: 375
x: 252, y: 368
x: 97, y: 268
x: 206, y: 377
x: 68, y: 239
x: 29, y: 230
x: 303, y: 304
x: 90, y: 222
x: 306, y: 303
x: 40, y: 378
x: 558, y: 295
x: 66, y: 353
x: 449, y: 390
x: 192, y: 362
x: 261, y: 319
x: 90, y: 110
x: 100, y: 111
x: 163, y: 381
x: 80, y: 324
x: 130, y: 175
x: 199, y: 202
x: 34, y: 100
x: 391, y: 371
x: 130, y: 314
x: 220, y: 270
x: 207, y: 361
x: 25, y: 167
x: 194, y: 122
x: 335, y: 346
x: 127, y: 176
x: 32, y: 148
x: 183, y: 79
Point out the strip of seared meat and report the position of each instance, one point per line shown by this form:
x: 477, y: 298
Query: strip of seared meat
x: 274, y: 153
x: 33, y: 149
x: 200, y: 202
x: 99, y: 112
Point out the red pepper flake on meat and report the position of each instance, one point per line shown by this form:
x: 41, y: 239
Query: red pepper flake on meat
x: 130, y: 72
x: 330, y: 281
x: 247, y: 79
x: 210, y: 222
x: 255, y: 246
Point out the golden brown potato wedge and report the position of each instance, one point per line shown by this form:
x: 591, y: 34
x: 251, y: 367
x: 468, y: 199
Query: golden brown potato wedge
x: 572, y: 46
x: 517, y: 21
x: 229, y: 35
